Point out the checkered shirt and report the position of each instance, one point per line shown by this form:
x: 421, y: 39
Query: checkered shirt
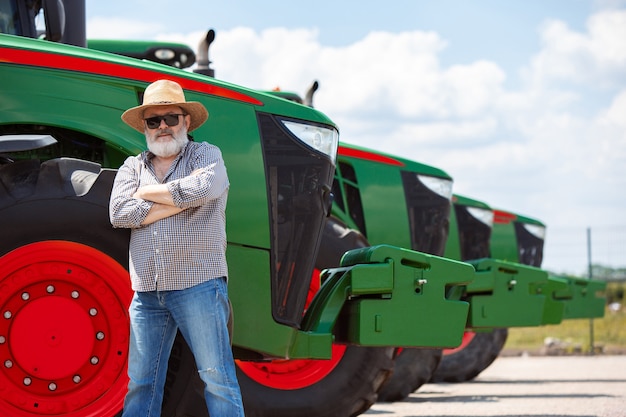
x: 188, y: 248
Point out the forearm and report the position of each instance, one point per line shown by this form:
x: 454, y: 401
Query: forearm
x: 163, y: 203
x: 160, y: 211
x: 157, y: 193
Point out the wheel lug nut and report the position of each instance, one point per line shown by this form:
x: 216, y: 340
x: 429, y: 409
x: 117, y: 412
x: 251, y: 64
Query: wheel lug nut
x: 75, y: 294
x: 25, y: 296
x: 8, y: 364
x: 50, y: 289
x: 76, y: 379
x: 100, y: 335
x: 93, y: 311
x: 7, y: 314
x: 94, y: 360
x: 52, y: 386
x: 27, y: 381
x: 2, y: 340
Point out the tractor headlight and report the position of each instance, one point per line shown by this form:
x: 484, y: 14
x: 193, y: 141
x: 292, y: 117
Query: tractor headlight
x: 536, y: 230
x: 322, y: 139
x: 483, y: 215
x: 441, y: 186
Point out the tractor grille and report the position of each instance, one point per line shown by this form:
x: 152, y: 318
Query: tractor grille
x: 428, y: 216
x: 298, y: 186
x: 529, y: 246
x: 474, y: 235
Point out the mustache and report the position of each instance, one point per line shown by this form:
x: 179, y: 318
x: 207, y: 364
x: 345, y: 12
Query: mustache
x: 154, y: 135
x: 166, y: 131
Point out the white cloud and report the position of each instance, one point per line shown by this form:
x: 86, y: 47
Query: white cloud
x: 597, y: 56
x: 615, y: 115
x: 446, y: 133
x: 119, y: 28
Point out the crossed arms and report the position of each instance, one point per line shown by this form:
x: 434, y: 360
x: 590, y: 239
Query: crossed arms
x: 163, y: 203
x: 133, y: 207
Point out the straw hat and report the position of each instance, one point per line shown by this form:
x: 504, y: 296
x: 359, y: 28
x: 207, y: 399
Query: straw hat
x: 165, y: 93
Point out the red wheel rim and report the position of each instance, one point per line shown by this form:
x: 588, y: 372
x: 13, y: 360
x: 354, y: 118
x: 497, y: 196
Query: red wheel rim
x: 294, y: 373
x: 63, y: 331
x: 467, y: 338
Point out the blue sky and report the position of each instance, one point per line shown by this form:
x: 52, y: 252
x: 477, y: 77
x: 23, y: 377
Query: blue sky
x: 523, y: 103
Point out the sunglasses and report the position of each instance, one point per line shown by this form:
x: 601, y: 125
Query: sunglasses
x: 170, y: 120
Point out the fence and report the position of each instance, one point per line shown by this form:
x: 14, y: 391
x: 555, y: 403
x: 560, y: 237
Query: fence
x: 570, y: 250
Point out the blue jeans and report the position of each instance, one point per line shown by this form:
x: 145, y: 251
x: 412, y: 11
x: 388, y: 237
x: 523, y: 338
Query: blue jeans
x: 201, y: 313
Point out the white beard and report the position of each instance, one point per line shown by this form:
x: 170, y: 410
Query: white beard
x: 169, y: 148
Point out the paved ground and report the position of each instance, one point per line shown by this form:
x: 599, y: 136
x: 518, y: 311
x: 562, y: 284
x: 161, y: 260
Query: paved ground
x: 548, y: 386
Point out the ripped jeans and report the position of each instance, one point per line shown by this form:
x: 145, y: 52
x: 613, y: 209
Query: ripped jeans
x: 201, y: 313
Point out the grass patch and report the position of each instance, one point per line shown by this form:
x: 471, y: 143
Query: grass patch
x: 609, y: 334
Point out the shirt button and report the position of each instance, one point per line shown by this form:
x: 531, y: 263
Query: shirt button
x: 155, y: 233
x: 157, y: 251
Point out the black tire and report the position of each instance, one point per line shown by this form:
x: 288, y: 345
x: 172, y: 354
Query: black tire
x: 412, y: 368
x: 351, y: 387
x: 337, y: 239
x: 467, y: 363
x: 41, y: 205
x: 40, y: 201
x: 349, y: 390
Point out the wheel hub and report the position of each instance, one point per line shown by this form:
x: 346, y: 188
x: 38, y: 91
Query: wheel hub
x: 63, y: 332
x: 51, y: 338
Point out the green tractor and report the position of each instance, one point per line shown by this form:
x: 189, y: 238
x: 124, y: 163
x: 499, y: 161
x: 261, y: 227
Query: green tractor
x: 63, y: 267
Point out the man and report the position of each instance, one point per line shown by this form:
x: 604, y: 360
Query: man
x: 173, y: 198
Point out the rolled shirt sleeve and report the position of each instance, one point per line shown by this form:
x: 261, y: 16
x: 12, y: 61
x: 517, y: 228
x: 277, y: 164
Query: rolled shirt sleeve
x: 207, y: 184
x: 124, y: 210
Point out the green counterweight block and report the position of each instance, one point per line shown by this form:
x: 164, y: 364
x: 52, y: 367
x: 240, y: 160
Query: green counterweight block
x: 394, y: 297
x: 583, y: 298
x: 554, y: 289
x: 505, y: 294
